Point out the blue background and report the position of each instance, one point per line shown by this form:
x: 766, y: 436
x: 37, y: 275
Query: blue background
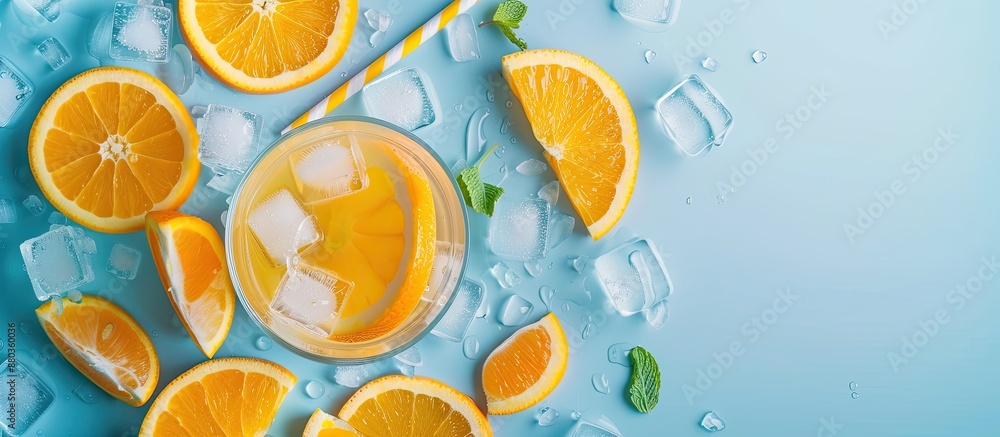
x: 858, y: 297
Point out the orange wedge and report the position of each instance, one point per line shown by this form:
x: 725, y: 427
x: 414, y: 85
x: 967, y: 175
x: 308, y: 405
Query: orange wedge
x: 106, y: 345
x: 191, y: 260
x: 584, y: 122
x: 321, y: 424
x: 229, y: 397
x: 526, y: 367
x: 365, y: 240
x: 112, y: 144
x: 267, y: 46
x: 397, y: 405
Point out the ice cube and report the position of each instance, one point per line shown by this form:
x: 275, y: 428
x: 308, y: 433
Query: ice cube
x: 37, y: 12
x: 514, y: 311
x: 463, y: 40
x: 57, y: 218
x: 504, y: 275
x: 178, y: 72
x: 693, y: 116
x: 140, y: 32
x: 403, y: 98
x: 598, y: 428
x: 124, y: 262
x: 54, y: 53
x: 310, y: 298
x: 58, y: 261
x: 34, y: 205
x: 282, y: 226
x: 546, y: 416
x: 658, y: 12
x: 519, y: 229
x: 410, y: 357
x: 230, y: 138
x: 710, y: 64
x: 8, y: 213
x: 633, y: 276
x: 329, y: 169
x: 32, y: 398
x: 379, y: 22
x: 657, y: 315
x: 560, y: 228
x: 468, y: 299
x: 99, y: 41
x: 532, y: 167
x: 712, y: 422
x: 15, y: 90
x: 550, y: 192
x: 351, y: 376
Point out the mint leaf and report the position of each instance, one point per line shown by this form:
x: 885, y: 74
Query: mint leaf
x: 644, y: 387
x: 510, y: 11
x: 513, y: 38
x: 508, y: 17
x: 480, y: 196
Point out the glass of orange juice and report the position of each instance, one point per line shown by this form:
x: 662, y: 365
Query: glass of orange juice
x: 346, y: 240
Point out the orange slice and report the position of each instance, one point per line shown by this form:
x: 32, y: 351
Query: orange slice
x: 229, y: 397
x: 112, y: 144
x: 106, y: 345
x: 321, y: 424
x: 191, y: 260
x: 526, y: 367
x: 364, y: 241
x: 267, y: 46
x: 584, y: 122
x: 397, y: 405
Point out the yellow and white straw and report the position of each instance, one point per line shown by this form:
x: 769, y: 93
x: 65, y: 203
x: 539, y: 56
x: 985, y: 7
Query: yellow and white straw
x: 384, y: 63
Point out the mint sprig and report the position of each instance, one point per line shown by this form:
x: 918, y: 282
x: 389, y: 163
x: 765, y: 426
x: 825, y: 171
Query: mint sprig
x: 508, y: 17
x: 644, y: 387
x: 479, y: 195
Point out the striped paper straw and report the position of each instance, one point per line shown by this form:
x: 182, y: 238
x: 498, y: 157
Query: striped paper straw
x: 384, y: 63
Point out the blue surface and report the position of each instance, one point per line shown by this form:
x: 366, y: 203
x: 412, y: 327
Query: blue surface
x: 855, y: 296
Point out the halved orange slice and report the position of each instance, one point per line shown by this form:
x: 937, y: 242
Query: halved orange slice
x: 232, y: 397
x: 584, y: 122
x: 267, y: 46
x: 191, y: 261
x: 112, y: 144
x: 106, y: 345
x: 321, y: 424
x: 397, y: 405
x: 526, y: 367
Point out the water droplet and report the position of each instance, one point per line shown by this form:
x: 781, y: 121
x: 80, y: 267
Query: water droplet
x: 504, y: 125
x: 509, y: 104
x: 618, y: 354
x: 74, y: 296
x: 546, y: 416
x: 600, y: 383
x: 649, y: 56
x: 688, y: 200
x: 489, y: 95
x: 513, y: 140
x: 758, y: 56
x: 550, y: 266
x: 565, y: 307
x: 855, y: 395
x: 458, y: 106
x: 26, y: 328
x: 471, y: 347
x: 587, y: 330
x: 546, y: 293
x: 344, y: 74
x: 712, y: 422
x: 154, y: 333
x: 853, y: 386
x: 720, y: 199
x: 575, y: 415
x: 315, y: 389
x: 107, y: 331
x: 263, y: 343
x: 86, y: 393
x: 579, y: 263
